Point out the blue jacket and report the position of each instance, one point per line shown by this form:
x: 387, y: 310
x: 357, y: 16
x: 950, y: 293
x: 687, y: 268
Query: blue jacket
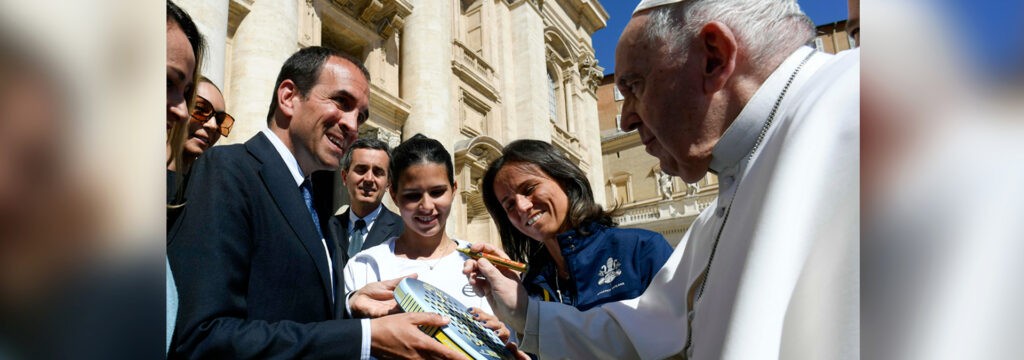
x: 609, y: 264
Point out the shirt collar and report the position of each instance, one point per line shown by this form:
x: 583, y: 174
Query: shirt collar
x: 567, y: 238
x: 739, y: 138
x: 289, y: 159
x: 369, y: 217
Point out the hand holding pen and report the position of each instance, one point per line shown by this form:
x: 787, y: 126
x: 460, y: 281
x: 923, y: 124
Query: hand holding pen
x: 499, y: 282
x: 494, y: 259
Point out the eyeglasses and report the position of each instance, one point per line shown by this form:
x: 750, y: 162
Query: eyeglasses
x: 204, y: 110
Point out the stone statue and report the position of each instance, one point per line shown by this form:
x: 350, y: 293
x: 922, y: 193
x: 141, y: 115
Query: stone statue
x: 664, y: 184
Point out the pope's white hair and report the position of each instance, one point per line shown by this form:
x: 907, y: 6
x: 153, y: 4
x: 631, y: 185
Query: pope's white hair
x: 767, y: 30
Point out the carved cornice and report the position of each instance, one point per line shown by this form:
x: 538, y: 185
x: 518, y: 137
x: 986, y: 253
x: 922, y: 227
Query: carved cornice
x: 620, y: 141
x: 388, y: 108
x: 386, y: 16
x: 593, y: 16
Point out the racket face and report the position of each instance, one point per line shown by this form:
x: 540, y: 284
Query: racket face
x: 463, y: 333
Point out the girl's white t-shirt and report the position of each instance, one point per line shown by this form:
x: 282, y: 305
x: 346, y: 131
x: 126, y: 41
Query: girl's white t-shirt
x: 380, y: 263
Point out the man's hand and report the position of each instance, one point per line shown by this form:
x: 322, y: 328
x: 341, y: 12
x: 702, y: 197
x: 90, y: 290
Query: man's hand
x: 500, y: 285
x: 398, y: 337
x: 376, y: 299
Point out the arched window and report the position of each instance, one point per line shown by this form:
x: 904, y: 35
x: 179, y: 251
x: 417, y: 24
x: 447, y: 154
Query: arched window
x: 552, y: 100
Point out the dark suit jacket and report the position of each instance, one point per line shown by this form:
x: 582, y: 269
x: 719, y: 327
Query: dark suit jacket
x: 387, y: 225
x: 252, y: 275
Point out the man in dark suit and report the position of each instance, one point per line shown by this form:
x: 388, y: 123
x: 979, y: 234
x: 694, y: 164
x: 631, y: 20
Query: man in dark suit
x: 366, y: 223
x: 254, y: 273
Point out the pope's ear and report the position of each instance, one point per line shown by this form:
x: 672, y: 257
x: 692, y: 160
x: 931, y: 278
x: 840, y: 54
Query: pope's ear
x: 718, y: 46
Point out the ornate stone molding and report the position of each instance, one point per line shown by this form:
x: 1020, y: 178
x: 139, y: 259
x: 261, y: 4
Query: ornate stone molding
x: 388, y: 110
x: 593, y: 15
x: 388, y: 136
x: 620, y: 141
x: 539, y: 4
x: 472, y: 157
x: 237, y: 10
x: 474, y: 70
x: 386, y: 16
x: 309, y: 25
x: 590, y: 73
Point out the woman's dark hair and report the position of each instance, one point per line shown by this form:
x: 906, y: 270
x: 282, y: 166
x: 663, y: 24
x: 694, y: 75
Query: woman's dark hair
x: 178, y: 134
x: 417, y: 150
x: 178, y: 16
x: 551, y: 162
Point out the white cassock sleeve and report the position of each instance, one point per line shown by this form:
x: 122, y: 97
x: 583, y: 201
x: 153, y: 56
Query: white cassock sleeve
x: 650, y: 326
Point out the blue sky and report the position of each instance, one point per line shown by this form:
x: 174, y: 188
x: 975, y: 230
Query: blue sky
x: 820, y: 11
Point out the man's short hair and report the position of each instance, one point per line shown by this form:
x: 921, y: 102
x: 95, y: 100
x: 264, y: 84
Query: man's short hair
x: 365, y: 143
x: 303, y: 68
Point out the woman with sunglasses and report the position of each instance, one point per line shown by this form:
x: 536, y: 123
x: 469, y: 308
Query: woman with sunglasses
x: 207, y: 124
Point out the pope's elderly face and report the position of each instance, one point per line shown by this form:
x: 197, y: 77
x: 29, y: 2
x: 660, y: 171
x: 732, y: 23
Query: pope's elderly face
x: 665, y: 101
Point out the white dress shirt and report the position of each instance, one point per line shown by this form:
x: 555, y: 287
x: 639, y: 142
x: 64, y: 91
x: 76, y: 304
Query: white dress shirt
x: 369, y: 219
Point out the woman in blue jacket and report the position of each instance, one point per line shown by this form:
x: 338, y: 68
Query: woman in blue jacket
x: 546, y: 215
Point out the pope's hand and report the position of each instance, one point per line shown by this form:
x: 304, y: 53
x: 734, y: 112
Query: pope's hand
x: 500, y: 285
x: 376, y: 299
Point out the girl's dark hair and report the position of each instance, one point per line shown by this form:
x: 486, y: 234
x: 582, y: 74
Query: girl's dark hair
x: 549, y: 160
x: 416, y: 150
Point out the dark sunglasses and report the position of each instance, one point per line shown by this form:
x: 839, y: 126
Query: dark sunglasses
x: 204, y: 110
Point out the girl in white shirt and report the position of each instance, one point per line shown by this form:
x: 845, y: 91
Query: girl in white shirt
x: 423, y: 188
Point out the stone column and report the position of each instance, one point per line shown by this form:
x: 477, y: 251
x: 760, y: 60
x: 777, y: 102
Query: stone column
x: 426, y: 71
x: 264, y: 40
x: 529, y: 72
x: 570, y: 91
x: 504, y: 56
x: 211, y: 17
x: 590, y: 138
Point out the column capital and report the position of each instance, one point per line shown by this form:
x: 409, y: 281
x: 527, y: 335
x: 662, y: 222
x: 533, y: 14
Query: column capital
x: 590, y: 73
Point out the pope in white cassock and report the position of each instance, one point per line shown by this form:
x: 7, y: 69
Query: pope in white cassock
x: 771, y: 269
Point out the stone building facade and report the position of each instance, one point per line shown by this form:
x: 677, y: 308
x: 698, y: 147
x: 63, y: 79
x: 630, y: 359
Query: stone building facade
x: 645, y: 196
x: 474, y: 74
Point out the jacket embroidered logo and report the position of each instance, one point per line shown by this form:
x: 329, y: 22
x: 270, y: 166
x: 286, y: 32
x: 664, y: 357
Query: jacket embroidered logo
x: 609, y: 271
